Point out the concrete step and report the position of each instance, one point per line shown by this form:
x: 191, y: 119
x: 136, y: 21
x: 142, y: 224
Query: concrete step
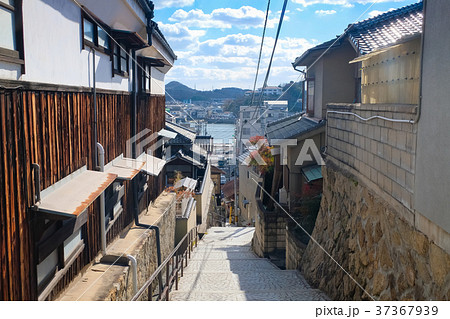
x: 285, y: 295
x: 223, y: 255
x: 273, y: 280
x: 223, y: 267
x: 234, y: 266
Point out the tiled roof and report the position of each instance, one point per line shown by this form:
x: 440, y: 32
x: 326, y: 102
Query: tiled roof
x: 228, y: 188
x: 380, y: 31
x: 386, y: 29
x: 291, y: 126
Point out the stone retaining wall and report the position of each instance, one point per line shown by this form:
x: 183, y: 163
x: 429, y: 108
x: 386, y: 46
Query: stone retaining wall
x: 270, y: 231
x: 145, y: 253
x: 382, y: 251
x: 294, y: 250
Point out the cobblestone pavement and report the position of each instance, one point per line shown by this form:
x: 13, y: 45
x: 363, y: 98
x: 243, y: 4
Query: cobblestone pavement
x: 223, y: 267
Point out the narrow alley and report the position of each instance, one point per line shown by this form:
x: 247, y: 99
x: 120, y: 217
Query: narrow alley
x: 223, y: 268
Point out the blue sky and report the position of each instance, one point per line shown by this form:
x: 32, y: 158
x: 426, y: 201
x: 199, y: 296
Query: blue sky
x: 217, y: 41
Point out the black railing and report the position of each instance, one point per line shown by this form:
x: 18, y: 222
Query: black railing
x: 173, y: 266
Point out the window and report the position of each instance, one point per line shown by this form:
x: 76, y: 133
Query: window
x: 310, y: 97
x: 11, y: 38
x: 120, y: 59
x: 246, y: 131
x: 95, y: 35
x: 143, y: 75
x: 246, y: 115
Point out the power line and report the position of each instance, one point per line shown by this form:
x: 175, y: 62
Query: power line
x: 271, y: 57
x: 260, y: 52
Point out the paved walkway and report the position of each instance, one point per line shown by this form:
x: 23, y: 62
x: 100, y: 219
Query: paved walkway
x: 223, y: 267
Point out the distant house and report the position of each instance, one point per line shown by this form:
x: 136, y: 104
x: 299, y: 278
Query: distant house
x: 79, y: 82
x: 271, y: 90
x: 291, y: 180
x: 189, y: 154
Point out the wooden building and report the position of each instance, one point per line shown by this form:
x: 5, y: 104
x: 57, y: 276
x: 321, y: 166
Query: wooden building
x: 95, y: 83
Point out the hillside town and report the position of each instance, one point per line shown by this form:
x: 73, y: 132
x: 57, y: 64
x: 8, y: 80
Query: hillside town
x: 118, y: 186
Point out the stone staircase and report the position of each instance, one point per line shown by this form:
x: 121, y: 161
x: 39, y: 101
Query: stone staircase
x: 223, y: 267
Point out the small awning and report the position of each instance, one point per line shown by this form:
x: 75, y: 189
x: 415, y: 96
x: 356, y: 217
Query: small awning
x: 153, y: 165
x: 124, y: 168
x: 73, y: 194
x: 186, y: 182
x: 312, y: 173
x: 133, y: 39
x: 167, y: 133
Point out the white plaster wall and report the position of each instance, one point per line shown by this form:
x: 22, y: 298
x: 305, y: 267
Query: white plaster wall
x: 53, y: 48
x: 157, y: 82
x: 9, y: 71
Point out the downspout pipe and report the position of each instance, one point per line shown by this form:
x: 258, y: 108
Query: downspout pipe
x: 155, y: 228
x: 94, y: 90
x: 303, y: 86
x: 422, y: 45
x: 152, y: 227
x: 37, y: 183
x: 101, y: 158
x: 133, y: 102
x: 133, y: 150
x: 133, y: 268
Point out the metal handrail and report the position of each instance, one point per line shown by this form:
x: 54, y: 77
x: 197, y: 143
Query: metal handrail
x: 181, y: 258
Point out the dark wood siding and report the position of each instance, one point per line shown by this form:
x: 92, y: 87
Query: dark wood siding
x: 55, y: 130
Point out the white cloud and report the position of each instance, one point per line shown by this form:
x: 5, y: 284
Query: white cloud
x: 344, y: 3
x: 180, y: 36
x: 160, y: 4
x: 223, y: 18
x: 231, y: 60
x: 325, y: 12
x: 305, y: 3
x: 374, y: 13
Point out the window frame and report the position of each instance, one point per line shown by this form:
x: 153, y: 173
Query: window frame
x: 143, y: 79
x: 117, y: 69
x: 310, y: 103
x: 15, y: 56
x: 94, y: 44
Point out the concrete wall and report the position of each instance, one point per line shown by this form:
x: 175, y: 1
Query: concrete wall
x: 247, y: 190
x: 204, y: 199
x: 382, y: 251
x: 432, y: 183
x: 186, y: 222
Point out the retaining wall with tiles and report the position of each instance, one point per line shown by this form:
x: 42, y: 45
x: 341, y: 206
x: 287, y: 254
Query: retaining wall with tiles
x: 382, y: 151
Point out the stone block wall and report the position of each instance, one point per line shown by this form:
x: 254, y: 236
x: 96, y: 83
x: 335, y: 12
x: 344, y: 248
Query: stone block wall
x: 294, y: 250
x: 382, y: 151
x: 145, y: 254
x: 270, y: 231
x: 382, y: 251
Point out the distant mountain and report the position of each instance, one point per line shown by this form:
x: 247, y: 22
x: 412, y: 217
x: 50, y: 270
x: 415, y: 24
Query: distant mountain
x: 182, y: 92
